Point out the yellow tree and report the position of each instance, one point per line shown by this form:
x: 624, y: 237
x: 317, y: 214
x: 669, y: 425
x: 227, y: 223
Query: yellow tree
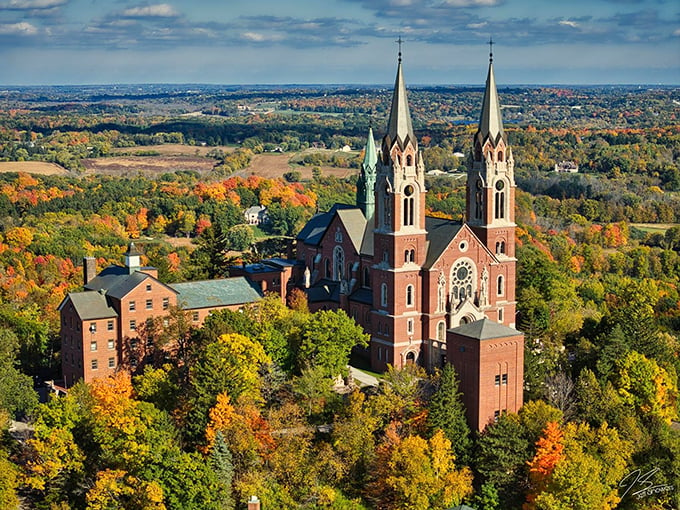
x: 115, y: 488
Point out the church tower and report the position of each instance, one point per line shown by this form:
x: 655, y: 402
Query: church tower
x: 399, y: 238
x: 490, y: 199
x: 366, y: 182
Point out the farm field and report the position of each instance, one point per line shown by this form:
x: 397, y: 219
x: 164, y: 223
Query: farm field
x: 127, y: 166
x: 170, y: 149
x: 32, y: 167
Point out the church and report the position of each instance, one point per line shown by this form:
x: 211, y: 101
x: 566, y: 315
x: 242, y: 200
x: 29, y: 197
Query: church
x: 427, y: 290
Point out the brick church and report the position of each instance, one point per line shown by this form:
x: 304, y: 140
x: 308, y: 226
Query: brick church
x: 427, y: 290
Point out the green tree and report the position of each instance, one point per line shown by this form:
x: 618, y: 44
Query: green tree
x: 327, y: 340
x: 447, y: 413
x: 503, y: 451
x: 239, y: 237
x: 222, y: 464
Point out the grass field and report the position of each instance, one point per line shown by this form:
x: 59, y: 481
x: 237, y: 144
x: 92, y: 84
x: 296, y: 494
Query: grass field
x: 32, y: 167
x: 653, y: 228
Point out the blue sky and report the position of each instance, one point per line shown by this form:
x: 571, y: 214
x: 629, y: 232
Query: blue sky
x: 338, y: 41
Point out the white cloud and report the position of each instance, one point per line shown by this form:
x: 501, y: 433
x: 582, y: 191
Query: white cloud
x: 151, y: 11
x: 676, y: 32
x: 568, y: 23
x: 475, y: 26
x: 253, y: 36
x: 20, y: 5
x: 21, y: 28
x: 472, y: 3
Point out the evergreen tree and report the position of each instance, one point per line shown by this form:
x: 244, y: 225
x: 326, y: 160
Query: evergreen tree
x: 448, y: 414
x: 222, y: 465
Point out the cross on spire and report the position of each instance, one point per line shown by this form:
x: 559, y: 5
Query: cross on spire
x: 490, y: 50
x: 399, y: 41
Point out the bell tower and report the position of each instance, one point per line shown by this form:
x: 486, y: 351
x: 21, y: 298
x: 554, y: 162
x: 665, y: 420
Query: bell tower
x: 491, y: 182
x: 490, y: 202
x: 399, y: 238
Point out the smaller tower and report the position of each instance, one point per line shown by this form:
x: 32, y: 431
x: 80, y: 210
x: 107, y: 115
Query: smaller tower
x: 366, y: 182
x: 133, y: 258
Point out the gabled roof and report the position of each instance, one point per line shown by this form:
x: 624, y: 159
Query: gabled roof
x: 314, y: 229
x: 116, y: 282
x: 89, y: 305
x: 355, y: 225
x: 440, y: 232
x: 485, y: 329
x: 367, y: 242
x: 215, y: 293
x: 362, y: 295
x: 324, y: 290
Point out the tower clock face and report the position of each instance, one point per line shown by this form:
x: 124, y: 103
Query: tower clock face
x: 500, y: 185
x: 408, y: 190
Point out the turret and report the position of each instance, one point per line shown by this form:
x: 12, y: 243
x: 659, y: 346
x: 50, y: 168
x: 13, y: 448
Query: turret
x: 366, y: 182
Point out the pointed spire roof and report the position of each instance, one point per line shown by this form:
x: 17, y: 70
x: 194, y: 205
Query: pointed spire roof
x: 399, y: 126
x: 371, y: 154
x: 132, y: 250
x: 490, y: 121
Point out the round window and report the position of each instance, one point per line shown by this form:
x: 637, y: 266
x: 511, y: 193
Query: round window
x: 500, y: 185
x: 408, y: 190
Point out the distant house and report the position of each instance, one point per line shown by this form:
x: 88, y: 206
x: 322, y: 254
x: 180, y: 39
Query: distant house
x: 256, y: 215
x: 100, y: 326
x: 566, y: 167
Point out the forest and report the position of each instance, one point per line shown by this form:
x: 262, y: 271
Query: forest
x: 251, y: 402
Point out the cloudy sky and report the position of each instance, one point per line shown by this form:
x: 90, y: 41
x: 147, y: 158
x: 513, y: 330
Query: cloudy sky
x: 338, y: 41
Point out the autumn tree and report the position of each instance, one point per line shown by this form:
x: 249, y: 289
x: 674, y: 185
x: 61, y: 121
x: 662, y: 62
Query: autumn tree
x: 416, y: 473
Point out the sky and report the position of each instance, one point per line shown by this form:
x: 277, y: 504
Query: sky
x: 63, y: 42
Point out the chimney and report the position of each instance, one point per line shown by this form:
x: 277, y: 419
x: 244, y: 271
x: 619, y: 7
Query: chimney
x: 253, y: 503
x: 89, y: 269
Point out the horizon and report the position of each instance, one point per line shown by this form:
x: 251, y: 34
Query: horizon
x: 78, y: 42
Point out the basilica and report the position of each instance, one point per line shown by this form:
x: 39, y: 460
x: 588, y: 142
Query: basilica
x: 427, y: 290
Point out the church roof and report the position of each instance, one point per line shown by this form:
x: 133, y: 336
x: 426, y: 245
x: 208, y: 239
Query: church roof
x: 371, y: 154
x: 324, y: 290
x: 440, y: 232
x: 484, y: 329
x: 355, y: 225
x: 490, y: 120
x: 90, y: 305
x: 214, y: 293
x: 399, y: 127
x: 316, y: 227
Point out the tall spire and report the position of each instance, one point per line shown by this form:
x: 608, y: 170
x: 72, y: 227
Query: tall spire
x: 399, y: 127
x: 366, y: 182
x: 490, y: 121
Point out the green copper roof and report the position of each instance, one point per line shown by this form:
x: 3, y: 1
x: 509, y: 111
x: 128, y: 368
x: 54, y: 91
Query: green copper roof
x: 371, y: 155
x: 399, y: 127
x: 215, y: 293
x: 490, y: 121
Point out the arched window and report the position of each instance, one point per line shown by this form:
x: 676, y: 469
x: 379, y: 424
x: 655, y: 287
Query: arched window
x: 501, y: 285
x: 479, y: 210
x: 409, y: 295
x: 406, y: 257
x: 327, y: 268
x: 367, y: 277
x: 409, y: 205
x: 410, y: 358
x: 441, y: 331
x: 338, y: 263
x: 387, y: 208
x: 409, y: 160
x: 499, y: 202
x: 412, y: 256
x: 503, y: 247
x: 383, y: 294
x: 500, y: 156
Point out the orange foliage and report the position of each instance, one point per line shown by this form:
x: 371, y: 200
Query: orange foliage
x: 549, y: 449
